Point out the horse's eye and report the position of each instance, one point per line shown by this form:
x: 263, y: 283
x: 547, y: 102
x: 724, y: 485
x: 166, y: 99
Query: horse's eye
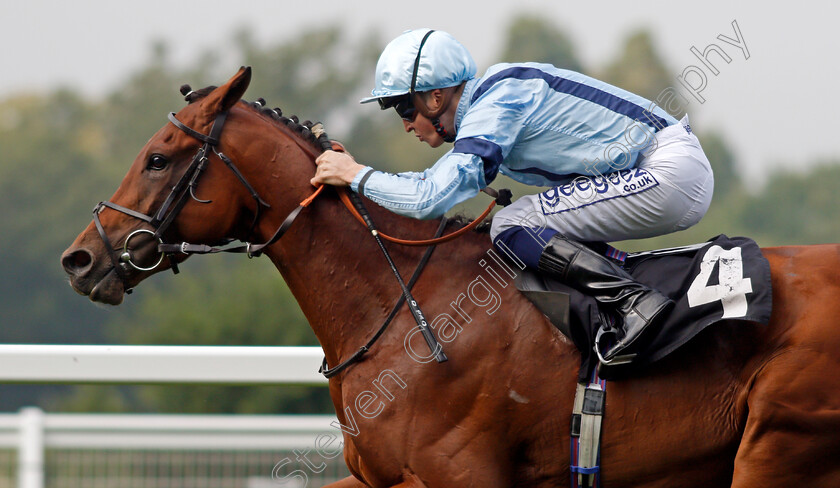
x: 157, y: 162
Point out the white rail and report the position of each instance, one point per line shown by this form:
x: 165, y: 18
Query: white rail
x: 158, y: 432
x: 31, y: 431
x: 27, y: 363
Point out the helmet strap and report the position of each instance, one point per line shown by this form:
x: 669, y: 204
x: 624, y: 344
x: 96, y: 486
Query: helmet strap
x: 434, y: 116
x: 447, y: 137
x: 420, y: 104
x: 417, y: 62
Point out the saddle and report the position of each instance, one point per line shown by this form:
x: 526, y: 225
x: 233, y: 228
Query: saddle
x: 721, y: 279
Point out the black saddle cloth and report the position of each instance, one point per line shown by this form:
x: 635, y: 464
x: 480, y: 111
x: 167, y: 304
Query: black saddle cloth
x: 722, y: 279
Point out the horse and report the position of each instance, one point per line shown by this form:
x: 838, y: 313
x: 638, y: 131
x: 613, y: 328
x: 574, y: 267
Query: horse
x: 741, y: 405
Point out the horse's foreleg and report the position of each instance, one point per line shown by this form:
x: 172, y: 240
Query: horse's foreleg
x: 348, y: 482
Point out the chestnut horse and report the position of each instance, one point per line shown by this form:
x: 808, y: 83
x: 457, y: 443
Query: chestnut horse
x: 742, y: 405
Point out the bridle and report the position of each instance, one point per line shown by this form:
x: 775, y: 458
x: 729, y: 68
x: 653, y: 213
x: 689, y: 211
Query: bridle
x: 184, y: 189
x: 181, y: 192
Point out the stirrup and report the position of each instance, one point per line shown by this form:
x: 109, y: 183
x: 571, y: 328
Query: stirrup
x: 615, y: 360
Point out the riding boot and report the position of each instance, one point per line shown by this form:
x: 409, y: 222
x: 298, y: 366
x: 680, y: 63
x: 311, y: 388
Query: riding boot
x: 638, y: 306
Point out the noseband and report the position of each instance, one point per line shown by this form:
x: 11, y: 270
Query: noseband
x: 171, y: 207
x: 185, y: 188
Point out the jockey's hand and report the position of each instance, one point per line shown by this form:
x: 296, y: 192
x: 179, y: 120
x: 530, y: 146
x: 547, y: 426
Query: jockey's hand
x: 335, y: 168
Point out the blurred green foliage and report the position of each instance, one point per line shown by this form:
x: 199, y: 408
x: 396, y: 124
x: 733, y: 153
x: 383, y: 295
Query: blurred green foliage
x: 62, y: 153
x: 639, y: 68
x: 532, y: 39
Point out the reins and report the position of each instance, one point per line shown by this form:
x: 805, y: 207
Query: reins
x: 501, y: 197
x: 345, y: 198
x: 184, y: 190
x: 330, y: 372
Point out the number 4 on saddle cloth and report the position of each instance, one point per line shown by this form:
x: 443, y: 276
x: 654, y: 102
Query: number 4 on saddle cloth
x: 722, y: 279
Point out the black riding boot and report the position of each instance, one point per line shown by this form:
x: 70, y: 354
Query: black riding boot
x: 592, y: 274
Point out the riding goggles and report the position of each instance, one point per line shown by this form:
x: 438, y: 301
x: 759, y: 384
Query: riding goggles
x: 403, y: 104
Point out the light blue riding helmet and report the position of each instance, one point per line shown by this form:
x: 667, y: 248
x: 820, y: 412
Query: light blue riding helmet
x: 431, y: 59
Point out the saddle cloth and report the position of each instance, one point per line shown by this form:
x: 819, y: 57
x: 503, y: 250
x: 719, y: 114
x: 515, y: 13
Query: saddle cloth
x: 722, y: 279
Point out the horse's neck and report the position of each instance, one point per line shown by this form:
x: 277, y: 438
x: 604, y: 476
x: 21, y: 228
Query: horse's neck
x: 338, y: 274
x: 330, y: 262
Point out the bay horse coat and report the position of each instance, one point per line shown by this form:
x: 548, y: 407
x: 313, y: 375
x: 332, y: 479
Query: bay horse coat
x: 742, y: 405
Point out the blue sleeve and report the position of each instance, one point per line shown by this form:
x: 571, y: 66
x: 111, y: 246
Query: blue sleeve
x: 454, y: 178
x: 494, y: 124
x: 412, y: 174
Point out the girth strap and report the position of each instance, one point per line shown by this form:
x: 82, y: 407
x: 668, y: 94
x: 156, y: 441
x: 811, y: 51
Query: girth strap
x: 587, y: 416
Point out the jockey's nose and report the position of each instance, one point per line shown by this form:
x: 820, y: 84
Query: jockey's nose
x: 408, y: 125
x: 77, y: 262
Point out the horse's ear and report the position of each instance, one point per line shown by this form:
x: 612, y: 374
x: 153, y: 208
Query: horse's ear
x: 223, y: 98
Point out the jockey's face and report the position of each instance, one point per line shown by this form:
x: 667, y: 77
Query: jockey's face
x: 423, y: 129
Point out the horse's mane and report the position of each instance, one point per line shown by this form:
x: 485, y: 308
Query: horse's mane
x: 304, y: 130
x: 311, y: 132
x: 460, y: 220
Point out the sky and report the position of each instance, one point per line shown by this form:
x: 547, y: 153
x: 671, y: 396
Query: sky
x: 773, y: 101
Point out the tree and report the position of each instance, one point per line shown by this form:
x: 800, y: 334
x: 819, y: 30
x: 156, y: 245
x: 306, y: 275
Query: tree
x: 311, y: 76
x: 727, y: 179
x: 639, y: 68
x: 50, y: 169
x: 52, y: 145
x: 64, y: 153
x: 796, y: 208
x: 531, y: 38
x: 138, y: 107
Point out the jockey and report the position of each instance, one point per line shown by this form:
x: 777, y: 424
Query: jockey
x: 618, y: 166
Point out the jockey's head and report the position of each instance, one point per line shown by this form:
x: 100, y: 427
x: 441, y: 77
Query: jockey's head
x: 416, y: 64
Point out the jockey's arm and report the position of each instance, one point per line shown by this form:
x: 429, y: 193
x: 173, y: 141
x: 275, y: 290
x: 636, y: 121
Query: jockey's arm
x: 456, y: 177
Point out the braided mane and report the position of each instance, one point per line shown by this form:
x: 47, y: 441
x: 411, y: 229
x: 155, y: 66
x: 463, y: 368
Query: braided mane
x: 311, y: 132
x: 314, y: 134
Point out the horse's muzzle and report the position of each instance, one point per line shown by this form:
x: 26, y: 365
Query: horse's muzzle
x: 87, y: 278
x: 77, y: 263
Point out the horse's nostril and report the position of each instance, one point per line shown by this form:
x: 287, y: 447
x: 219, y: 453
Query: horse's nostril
x: 77, y: 262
